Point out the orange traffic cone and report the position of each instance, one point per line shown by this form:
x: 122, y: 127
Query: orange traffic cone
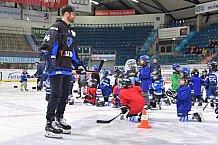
x: 144, y: 120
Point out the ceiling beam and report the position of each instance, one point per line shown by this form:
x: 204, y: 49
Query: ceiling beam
x: 127, y: 6
x: 196, y: 2
x: 150, y: 5
x: 180, y: 9
x: 134, y: 6
x: 163, y: 9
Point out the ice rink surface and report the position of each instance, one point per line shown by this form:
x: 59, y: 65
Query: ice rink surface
x: 22, y: 122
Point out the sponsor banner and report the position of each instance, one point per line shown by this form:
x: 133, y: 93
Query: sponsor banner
x: 10, y: 13
x: 174, y: 32
x: 114, y: 12
x: 11, y: 75
x: 206, y: 7
x: 39, y: 16
x: 43, y: 3
x: 81, y: 5
x: 39, y: 33
x: 104, y: 57
x: 18, y: 60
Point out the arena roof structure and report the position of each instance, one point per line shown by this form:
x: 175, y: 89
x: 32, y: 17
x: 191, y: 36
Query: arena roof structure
x: 176, y: 9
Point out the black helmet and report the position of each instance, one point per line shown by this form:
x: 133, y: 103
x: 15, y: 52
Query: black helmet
x: 92, y: 83
x: 125, y: 83
x: 204, y: 72
x: 195, y: 72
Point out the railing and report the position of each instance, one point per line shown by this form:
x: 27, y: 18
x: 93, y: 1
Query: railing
x: 149, y: 42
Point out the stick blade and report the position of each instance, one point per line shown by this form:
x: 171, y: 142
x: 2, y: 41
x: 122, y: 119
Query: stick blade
x: 102, y: 121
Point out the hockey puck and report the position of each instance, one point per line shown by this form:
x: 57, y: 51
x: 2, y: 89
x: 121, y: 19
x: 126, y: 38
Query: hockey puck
x: 33, y: 88
x: 15, y: 86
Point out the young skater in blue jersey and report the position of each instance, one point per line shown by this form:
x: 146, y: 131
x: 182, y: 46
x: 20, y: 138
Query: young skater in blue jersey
x: 144, y: 77
x: 23, y: 80
x: 196, y: 83
x: 183, y: 103
x: 210, y: 83
x: 105, y: 86
x: 156, y: 88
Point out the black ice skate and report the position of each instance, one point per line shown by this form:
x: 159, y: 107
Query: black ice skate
x: 52, y: 130
x: 60, y: 122
x: 198, y: 117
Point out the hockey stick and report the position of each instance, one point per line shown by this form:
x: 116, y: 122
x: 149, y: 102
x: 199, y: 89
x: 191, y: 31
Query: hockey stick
x: 108, y: 121
x: 206, y: 106
x: 99, y: 68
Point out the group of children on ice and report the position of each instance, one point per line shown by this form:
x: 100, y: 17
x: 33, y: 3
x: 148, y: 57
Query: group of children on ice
x: 133, y: 90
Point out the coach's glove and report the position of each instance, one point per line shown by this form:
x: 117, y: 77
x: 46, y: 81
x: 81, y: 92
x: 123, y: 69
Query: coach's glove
x: 124, y: 109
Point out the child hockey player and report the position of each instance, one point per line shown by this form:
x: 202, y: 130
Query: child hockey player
x: 70, y: 96
x: 211, y: 84
x: 90, y: 97
x: 203, y: 77
x: 131, y: 99
x: 82, y: 83
x: 144, y: 76
x: 184, y: 101
x: 47, y: 89
x: 95, y: 75
x: 156, y: 88
x: 23, y: 80
x: 196, y: 83
x: 115, y: 92
x: 104, y: 85
x: 175, y: 77
x: 131, y: 70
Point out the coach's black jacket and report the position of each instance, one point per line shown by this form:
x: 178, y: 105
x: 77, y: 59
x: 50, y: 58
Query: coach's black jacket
x: 60, y: 44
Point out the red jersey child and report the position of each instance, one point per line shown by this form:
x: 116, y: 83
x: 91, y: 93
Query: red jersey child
x: 90, y: 97
x: 131, y: 99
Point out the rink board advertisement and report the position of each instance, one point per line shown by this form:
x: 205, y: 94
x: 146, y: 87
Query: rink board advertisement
x: 13, y: 75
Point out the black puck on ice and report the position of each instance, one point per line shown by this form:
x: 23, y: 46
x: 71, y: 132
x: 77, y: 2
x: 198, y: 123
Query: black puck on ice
x: 15, y: 86
x: 33, y: 88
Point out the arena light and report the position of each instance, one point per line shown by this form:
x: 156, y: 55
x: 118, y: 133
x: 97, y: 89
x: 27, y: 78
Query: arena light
x: 135, y: 1
x: 96, y: 3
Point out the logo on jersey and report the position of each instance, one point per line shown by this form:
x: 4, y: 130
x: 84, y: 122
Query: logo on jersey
x: 69, y: 41
x: 47, y: 37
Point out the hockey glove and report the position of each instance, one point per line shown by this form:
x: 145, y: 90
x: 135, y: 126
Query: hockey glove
x: 124, y: 109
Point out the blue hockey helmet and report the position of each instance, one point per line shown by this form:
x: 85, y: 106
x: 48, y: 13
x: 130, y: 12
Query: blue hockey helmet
x: 145, y: 58
x: 104, y: 73
x: 95, y: 67
x: 175, y: 65
x: 185, y: 71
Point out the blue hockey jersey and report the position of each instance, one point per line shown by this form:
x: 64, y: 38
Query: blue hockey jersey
x: 211, y: 83
x: 144, y: 76
x: 183, y: 100
x: 196, y: 83
x: 105, y: 87
x: 157, y: 87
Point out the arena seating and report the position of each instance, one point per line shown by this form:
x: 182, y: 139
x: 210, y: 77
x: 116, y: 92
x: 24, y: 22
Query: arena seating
x: 13, y: 42
x: 122, y: 38
x: 202, y: 37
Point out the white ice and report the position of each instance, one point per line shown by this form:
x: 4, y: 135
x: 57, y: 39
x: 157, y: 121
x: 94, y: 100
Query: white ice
x: 22, y: 122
